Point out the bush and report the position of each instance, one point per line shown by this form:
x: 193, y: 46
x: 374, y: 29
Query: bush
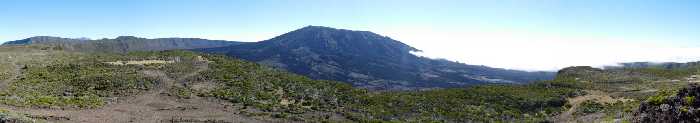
x: 82, y: 83
x: 689, y: 100
x: 589, y: 106
x: 181, y: 92
x: 660, y: 97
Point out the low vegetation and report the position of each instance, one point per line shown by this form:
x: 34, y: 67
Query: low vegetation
x: 7, y: 116
x: 281, y: 94
x: 671, y: 106
x: 590, y: 106
x: 79, y: 84
x: 480, y: 103
x: 73, y: 85
x: 57, y: 79
x: 629, y: 85
x: 660, y: 97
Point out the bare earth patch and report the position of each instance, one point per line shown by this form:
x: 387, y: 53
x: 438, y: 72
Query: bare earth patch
x: 593, y: 95
x: 142, y: 62
x: 154, y: 106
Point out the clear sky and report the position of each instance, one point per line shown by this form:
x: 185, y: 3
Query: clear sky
x: 515, y: 34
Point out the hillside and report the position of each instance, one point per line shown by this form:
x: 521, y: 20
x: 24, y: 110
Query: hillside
x: 124, y: 44
x: 51, y: 82
x: 615, y: 94
x: 366, y: 59
x: 41, y: 82
x: 47, y: 83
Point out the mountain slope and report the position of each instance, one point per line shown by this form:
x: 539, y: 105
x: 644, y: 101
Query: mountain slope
x: 124, y: 44
x: 366, y: 59
x: 45, y: 83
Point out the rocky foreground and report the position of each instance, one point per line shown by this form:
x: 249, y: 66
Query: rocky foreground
x: 671, y: 107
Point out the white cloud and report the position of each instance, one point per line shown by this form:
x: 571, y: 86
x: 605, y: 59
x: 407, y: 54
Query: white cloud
x: 532, y: 50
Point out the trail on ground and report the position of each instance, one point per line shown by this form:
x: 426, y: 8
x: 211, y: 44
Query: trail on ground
x: 15, y: 72
x: 575, y: 102
x: 153, y: 106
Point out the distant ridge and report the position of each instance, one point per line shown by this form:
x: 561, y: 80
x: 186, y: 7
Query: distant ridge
x: 124, y: 44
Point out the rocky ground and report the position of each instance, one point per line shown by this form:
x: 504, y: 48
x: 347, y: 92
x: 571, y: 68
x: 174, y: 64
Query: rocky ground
x: 680, y: 107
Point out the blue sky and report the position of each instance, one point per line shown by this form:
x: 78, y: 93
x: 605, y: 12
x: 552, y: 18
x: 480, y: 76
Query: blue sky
x: 517, y: 34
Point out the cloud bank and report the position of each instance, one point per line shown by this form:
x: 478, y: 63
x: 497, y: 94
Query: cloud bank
x: 538, y: 51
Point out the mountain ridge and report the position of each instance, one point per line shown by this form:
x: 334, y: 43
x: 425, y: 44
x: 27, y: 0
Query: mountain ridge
x: 366, y: 59
x: 123, y: 44
x: 361, y: 58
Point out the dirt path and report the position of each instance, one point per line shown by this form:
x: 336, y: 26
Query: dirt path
x: 151, y: 107
x: 13, y: 75
x: 598, y: 96
x: 16, y: 61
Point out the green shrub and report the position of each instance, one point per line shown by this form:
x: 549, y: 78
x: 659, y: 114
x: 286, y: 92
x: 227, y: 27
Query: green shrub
x: 80, y: 84
x: 660, y: 97
x: 689, y: 100
x: 181, y: 92
x: 589, y: 106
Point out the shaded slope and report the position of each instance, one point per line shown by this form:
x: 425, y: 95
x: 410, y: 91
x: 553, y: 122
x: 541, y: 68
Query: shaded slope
x: 366, y: 59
